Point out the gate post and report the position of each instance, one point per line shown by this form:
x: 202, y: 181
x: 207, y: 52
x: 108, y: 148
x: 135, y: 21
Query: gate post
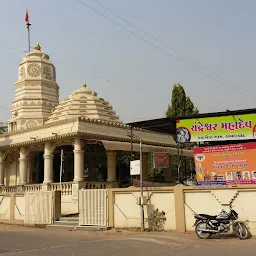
x: 56, y: 205
x: 180, y: 208
x: 111, y: 201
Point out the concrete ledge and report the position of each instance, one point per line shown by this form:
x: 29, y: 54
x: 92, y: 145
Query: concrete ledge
x: 91, y: 228
x: 12, y: 222
x: 66, y: 227
x: 74, y: 228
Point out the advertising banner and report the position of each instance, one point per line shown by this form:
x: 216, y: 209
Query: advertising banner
x: 236, y: 127
x: 225, y: 165
x: 161, y: 160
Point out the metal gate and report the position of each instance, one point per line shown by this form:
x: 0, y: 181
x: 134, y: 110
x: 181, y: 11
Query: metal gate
x: 38, y: 208
x: 93, y: 207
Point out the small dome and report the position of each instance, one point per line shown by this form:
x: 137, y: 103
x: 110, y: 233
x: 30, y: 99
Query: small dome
x: 36, y: 55
x: 84, y: 103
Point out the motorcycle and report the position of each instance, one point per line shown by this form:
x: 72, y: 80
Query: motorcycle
x: 207, y: 225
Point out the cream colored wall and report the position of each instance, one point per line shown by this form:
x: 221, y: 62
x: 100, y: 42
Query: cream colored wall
x: 164, y: 201
x: 29, y: 208
x: 246, y: 207
x: 199, y: 202
x: 126, y: 212
x: 210, y: 201
x: 68, y: 205
x: 12, y: 208
x: 5, y: 203
x: 19, y: 210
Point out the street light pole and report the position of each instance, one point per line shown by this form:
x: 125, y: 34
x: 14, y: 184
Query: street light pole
x: 141, y: 191
x: 142, y: 224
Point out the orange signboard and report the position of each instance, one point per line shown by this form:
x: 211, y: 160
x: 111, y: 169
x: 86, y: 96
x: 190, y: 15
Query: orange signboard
x: 227, y: 164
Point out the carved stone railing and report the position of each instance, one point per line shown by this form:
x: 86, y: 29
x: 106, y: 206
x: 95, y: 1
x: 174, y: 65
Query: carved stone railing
x: 64, y: 187
x: 95, y: 185
x: 9, y: 189
x: 33, y: 188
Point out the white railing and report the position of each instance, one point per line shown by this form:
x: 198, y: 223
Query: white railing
x: 64, y: 187
x: 33, y: 188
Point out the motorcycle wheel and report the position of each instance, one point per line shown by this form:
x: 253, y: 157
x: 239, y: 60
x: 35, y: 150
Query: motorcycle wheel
x: 200, y: 234
x: 240, y: 230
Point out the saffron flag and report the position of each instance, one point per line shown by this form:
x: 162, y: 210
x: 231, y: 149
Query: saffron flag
x: 26, y: 16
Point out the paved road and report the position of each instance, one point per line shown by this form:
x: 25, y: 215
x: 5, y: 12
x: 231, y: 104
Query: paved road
x: 30, y: 241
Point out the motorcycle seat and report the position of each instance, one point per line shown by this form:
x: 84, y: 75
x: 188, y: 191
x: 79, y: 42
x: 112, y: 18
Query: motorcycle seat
x: 209, y: 217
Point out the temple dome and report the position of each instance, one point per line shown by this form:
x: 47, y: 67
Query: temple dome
x: 36, y: 55
x: 84, y: 103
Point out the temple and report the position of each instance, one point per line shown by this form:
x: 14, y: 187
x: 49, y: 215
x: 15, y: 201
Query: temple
x: 84, y: 127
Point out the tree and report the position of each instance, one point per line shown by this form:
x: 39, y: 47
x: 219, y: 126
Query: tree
x: 3, y: 127
x: 181, y: 104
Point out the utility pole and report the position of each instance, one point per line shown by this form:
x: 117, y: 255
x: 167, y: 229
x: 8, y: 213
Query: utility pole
x: 131, y: 144
x: 179, y: 163
x: 142, y: 224
x: 141, y: 191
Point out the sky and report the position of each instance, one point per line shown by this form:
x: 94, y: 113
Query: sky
x: 206, y: 45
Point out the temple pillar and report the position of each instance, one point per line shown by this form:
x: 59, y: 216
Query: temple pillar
x: 48, y: 163
x: 2, y: 169
x: 23, y: 166
x: 78, y: 160
x: 145, y: 168
x: 111, y: 160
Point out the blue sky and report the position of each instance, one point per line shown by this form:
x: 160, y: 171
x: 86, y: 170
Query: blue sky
x: 219, y: 35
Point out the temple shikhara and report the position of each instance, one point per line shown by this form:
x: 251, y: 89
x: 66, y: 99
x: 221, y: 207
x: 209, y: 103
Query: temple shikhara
x: 83, y: 126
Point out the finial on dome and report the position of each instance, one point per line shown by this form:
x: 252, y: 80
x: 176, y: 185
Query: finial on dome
x: 84, y: 85
x: 37, y: 47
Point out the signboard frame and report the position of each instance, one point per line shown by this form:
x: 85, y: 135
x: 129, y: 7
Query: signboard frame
x: 220, y: 128
x: 226, y: 164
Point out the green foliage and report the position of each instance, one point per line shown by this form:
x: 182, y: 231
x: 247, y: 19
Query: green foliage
x: 155, y: 174
x: 124, y: 159
x: 181, y: 104
x: 190, y: 108
x: 3, y: 127
x: 156, y: 220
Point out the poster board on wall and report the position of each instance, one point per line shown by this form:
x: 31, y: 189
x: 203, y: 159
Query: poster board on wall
x: 226, y: 164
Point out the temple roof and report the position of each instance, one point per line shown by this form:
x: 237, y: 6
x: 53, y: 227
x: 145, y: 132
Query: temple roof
x: 36, y: 55
x: 84, y: 103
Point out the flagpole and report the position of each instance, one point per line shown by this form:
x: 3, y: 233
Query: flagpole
x: 28, y: 25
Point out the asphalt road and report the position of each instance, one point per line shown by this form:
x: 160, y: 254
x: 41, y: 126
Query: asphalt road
x: 31, y: 241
